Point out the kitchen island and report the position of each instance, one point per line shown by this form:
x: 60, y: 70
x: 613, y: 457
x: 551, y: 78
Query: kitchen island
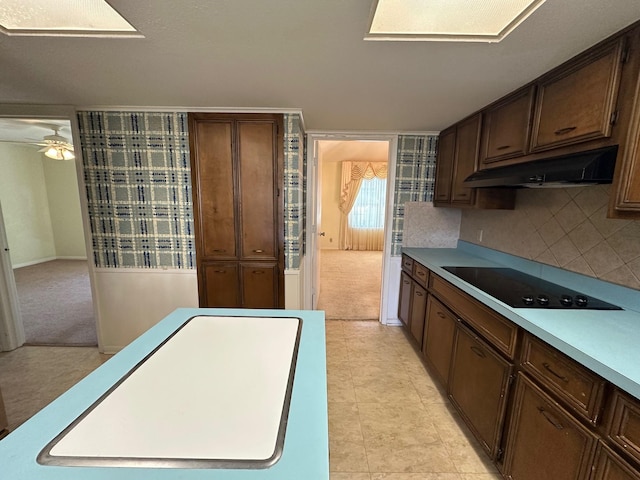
x: 76, y: 436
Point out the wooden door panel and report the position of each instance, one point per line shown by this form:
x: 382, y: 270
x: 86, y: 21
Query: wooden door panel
x: 260, y: 286
x: 418, y: 309
x: 215, y: 217
x: 467, y: 146
x: 439, y: 332
x: 220, y: 285
x: 444, y: 166
x: 545, y: 441
x: 258, y: 189
x: 404, y: 307
x: 478, y: 386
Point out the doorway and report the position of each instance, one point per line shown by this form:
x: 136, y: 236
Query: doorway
x: 349, y: 239
x: 46, y: 273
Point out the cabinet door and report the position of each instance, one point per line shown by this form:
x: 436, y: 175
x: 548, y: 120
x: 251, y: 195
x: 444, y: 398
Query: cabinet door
x: 259, y: 285
x: 624, y: 426
x: 610, y: 466
x: 418, y: 309
x: 627, y: 190
x: 478, y: 386
x: 544, y: 440
x: 221, y: 285
x: 466, y: 160
x: 404, y: 306
x: 439, y: 331
x: 444, y: 166
x: 575, y: 103
x: 506, y: 127
x: 257, y: 165
x: 213, y: 172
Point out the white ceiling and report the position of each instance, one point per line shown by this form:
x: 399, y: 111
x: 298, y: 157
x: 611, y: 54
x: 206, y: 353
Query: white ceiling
x: 306, y: 54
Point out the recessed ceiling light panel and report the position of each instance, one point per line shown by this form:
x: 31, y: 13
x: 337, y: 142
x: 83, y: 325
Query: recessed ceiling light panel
x: 63, y: 18
x: 448, y: 20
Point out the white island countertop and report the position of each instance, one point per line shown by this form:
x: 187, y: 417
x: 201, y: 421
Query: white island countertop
x: 205, y: 394
x: 605, y: 341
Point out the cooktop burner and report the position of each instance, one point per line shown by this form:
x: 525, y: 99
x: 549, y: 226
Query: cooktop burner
x: 520, y: 290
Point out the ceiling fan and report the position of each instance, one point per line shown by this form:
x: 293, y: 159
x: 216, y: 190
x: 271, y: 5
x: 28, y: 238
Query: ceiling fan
x: 54, y: 146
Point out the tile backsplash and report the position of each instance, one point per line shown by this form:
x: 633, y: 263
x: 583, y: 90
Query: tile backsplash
x: 566, y: 228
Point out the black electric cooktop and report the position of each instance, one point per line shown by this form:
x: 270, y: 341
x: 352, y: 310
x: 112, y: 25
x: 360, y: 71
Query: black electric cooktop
x: 520, y: 290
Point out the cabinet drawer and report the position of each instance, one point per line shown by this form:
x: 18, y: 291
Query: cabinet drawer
x: 421, y: 274
x: 624, y: 426
x: 581, y: 389
x: 407, y: 264
x: 499, y: 331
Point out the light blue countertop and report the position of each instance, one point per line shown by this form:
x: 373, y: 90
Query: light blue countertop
x: 605, y: 341
x: 306, y: 448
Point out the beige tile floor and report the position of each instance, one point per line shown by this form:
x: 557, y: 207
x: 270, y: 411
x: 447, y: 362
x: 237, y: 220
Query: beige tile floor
x: 388, y: 420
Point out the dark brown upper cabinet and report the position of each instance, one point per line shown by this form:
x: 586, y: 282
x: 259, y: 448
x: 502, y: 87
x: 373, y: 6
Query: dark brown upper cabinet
x: 505, y: 128
x: 577, y: 103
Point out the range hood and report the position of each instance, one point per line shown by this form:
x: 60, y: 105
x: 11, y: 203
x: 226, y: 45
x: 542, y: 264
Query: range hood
x: 584, y: 168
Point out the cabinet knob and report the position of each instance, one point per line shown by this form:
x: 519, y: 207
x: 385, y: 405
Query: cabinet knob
x: 258, y: 250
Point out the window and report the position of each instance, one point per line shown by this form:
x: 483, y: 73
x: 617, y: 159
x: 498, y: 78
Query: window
x: 368, y: 209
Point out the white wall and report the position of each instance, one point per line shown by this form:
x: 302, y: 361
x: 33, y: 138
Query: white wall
x: 64, y: 207
x: 330, y: 216
x: 23, y: 194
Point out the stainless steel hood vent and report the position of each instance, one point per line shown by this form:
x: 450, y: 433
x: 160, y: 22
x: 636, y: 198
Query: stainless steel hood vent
x: 584, y: 168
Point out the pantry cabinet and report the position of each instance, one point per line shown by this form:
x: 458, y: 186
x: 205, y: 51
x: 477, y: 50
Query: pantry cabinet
x: 237, y: 177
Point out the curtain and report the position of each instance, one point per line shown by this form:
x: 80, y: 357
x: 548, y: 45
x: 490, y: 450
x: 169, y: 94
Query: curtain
x: 356, y: 233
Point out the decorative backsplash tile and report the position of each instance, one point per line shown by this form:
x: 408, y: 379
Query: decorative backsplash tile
x: 415, y: 178
x: 567, y: 228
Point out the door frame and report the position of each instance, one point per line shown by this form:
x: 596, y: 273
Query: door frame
x: 11, y: 328
x: 311, y: 270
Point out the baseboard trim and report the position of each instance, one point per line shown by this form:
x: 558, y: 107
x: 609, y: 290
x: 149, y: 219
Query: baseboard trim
x: 43, y: 260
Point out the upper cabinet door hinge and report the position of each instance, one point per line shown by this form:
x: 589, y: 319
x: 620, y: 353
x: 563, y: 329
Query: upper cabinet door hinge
x: 614, y: 117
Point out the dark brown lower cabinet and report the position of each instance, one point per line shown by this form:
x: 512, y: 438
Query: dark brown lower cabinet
x: 610, y: 466
x: 418, y: 309
x: 249, y: 286
x: 439, y: 332
x: 478, y: 387
x: 404, y: 307
x: 545, y: 441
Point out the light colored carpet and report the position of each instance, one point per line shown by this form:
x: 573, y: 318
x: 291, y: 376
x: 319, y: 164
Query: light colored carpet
x: 350, y: 284
x: 55, y: 303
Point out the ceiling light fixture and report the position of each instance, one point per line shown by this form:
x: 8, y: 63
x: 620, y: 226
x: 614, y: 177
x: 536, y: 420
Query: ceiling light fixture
x: 65, y: 18
x: 448, y: 20
x: 59, y: 153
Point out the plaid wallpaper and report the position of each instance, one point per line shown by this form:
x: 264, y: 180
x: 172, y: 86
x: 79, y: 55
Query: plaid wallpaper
x: 138, y: 185
x: 295, y: 191
x: 415, y: 178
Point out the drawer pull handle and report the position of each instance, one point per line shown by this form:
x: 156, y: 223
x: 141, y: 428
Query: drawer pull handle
x: 258, y: 250
x: 549, y: 419
x: 219, y: 271
x: 478, y: 351
x: 441, y: 315
x: 258, y: 272
x: 219, y: 250
x: 564, y: 131
x: 555, y: 374
x: 419, y: 294
x: 503, y: 147
x: 421, y: 274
